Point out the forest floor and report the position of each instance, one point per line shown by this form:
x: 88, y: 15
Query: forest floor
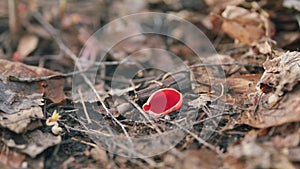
x: 94, y: 84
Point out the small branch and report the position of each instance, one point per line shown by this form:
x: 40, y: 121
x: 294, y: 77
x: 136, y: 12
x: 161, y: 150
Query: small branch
x: 145, y: 115
x: 224, y: 64
x: 211, y: 117
x: 38, y: 79
x: 87, y: 131
x: 257, y: 105
x: 84, y: 142
x: 14, y: 19
x: 84, y: 107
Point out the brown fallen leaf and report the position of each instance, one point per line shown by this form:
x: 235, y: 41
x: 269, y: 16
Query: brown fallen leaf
x: 9, y: 158
x: 289, y: 141
x: 280, y: 84
x: 221, y: 4
x: 246, y: 34
x: 213, y: 22
x: 294, y: 154
x: 281, y: 74
x: 201, y: 101
x: 287, y: 110
x: 192, y: 159
x: 241, y: 15
x: 248, y: 27
x: 251, y: 154
x: 292, y: 4
x: 16, y: 96
x: 31, y: 143
x: 23, y: 120
x: 99, y: 154
x: 244, y: 83
x: 264, y: 45
x: 195, y: 159
x: 11, y: 102
x: 243, y: 25
x: 240, y: 87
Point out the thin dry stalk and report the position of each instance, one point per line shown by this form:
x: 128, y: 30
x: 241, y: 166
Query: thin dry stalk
x: 84, y: 107
x: 14, y: 19
x: 145, y: 116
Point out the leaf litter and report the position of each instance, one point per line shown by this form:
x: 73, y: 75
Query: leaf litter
x: 279, y: 86
x: 258, y: 128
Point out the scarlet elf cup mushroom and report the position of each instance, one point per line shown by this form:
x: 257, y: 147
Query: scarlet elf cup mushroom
x: 163, y: 101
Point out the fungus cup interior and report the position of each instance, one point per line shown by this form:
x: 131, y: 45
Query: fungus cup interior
x: 163, y: 100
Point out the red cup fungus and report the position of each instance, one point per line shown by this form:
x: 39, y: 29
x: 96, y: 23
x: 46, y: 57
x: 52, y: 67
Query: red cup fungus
x: 163, y: 101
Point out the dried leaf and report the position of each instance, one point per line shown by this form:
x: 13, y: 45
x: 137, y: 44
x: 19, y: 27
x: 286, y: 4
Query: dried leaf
x: 27, y: 44
x: 243, y: 84
x: 221, y: 4
x: 281, y: 73
x: 11, y: 102
x: 294, y: 154
x: 200, y: 101
x: 248, y: 27
x: 9, y: 158
x: 246, y: 34
x: 287, y: 110
x: 289, y: 141
x: 31, y: 143
x: 292, y: 4
x: 263, y: 46
x: 280, y: 83
x: 251, y: 154
x: 194, y: 159
x: 241, y: 15
x: 21, y: 121
x: 99, y: 154
x: 16, y: 96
